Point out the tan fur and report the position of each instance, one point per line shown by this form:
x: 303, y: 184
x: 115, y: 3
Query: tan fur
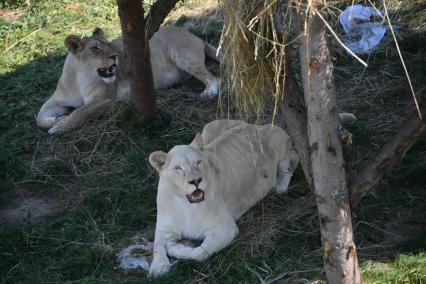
x: 175, y: 55
x: 237, y: 164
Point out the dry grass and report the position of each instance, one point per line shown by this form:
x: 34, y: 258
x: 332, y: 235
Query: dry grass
x: 11, y: 15
x: 98, y: 148
x: 200, y: 13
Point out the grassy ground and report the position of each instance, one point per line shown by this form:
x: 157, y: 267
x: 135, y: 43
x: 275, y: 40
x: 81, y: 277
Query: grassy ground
x: 68, y: 203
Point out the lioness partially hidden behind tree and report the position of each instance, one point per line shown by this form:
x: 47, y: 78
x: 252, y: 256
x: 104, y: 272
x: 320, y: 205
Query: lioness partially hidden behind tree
x: 206, y: 186
x: 95, y: 74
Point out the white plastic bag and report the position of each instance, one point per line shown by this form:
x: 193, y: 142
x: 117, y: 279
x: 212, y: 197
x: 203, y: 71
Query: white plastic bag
x: 363, y: 34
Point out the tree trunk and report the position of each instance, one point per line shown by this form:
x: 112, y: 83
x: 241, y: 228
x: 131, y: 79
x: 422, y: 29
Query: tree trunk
x: 340, y: 258
x: 157, y: 13
x: 136, y: 49
x: 390, y: 156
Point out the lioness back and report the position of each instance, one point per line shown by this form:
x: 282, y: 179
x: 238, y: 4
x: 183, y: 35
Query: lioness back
x: 247, y: 156
x: 173, y: 52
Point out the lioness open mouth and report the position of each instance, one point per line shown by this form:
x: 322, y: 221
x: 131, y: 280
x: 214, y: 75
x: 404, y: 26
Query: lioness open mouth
x: 107, y: 72
x: 196, y: 196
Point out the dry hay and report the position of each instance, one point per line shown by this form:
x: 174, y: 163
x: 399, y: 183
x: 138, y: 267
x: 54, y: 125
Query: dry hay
x: 253, y: 57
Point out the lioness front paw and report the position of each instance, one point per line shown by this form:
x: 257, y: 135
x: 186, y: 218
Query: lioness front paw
x: 58, y: 127
x: 159, y: 268
x: 200, y: 254
x: 211, y: 91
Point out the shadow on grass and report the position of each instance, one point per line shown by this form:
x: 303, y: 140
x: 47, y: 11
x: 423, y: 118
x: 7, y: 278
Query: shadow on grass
x: 22, y: 92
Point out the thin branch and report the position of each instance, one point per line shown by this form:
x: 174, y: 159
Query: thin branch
x: 21, y: 40
x: 339, y: 41
x: 402, y: 60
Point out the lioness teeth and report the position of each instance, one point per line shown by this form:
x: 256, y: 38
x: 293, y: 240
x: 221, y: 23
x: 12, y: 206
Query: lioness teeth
x: 107, y: 72
x: 196, y: 196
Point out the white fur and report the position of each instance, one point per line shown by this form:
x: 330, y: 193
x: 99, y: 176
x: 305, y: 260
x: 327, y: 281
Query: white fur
x: 238, y: 163
x: 109, y: 80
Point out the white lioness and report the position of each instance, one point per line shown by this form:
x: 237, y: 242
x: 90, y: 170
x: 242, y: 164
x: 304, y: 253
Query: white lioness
x: 95, y: 74
x: 206, y: 186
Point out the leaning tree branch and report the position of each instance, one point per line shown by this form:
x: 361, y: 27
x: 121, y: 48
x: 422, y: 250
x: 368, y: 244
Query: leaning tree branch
x: 389, y: 157
x: 292, y: 105
x: 295, y: 119
x: 158, y: 12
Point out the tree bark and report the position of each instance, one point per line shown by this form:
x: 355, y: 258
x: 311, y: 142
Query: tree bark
x: 331, y: 193
x: 292, y: 105
x: 157, y: 13
x: 137, y: 52
x: 390, y: 156
x: 294, y: 117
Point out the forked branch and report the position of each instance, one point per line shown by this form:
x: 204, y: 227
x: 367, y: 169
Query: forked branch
x: 158, y: 12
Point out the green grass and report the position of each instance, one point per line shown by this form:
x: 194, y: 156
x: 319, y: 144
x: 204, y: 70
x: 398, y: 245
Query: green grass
x: 100, y: 180
x: 404, y: 269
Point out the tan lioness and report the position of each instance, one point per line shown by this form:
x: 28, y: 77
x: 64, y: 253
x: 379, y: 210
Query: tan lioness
x: 95, y: 74
x: 206, y: 186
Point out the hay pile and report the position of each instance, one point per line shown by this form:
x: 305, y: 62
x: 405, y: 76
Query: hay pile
x: 254, y: 54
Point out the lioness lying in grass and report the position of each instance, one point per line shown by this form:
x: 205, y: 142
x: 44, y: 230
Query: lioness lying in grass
x: 95, y: 74
x: 206, y: 186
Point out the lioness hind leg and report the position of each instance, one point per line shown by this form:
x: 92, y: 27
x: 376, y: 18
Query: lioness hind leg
x: 286, y: 168
x: 194, y: 65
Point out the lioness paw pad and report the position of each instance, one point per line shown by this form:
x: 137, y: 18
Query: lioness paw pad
x: 158, y: 269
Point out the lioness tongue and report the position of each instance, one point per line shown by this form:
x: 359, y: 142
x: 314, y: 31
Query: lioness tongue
x: 197, y: 194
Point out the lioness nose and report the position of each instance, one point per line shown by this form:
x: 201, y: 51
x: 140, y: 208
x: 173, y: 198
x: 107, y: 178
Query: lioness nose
x: 113, y: 57
x: 196, y: 181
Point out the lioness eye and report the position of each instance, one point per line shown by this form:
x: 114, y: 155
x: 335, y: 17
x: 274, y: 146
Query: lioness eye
x: 198, y: 163
x: 178, y: 168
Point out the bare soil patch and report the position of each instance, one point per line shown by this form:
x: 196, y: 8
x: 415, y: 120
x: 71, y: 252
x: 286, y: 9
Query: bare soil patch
x: 29, y: 208
x: 10, y: 15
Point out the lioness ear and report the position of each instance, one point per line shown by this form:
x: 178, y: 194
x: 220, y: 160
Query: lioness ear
x: 74, y: 43
x: 157, y: 160
x: 98, y: 32
x: 198, y: 141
